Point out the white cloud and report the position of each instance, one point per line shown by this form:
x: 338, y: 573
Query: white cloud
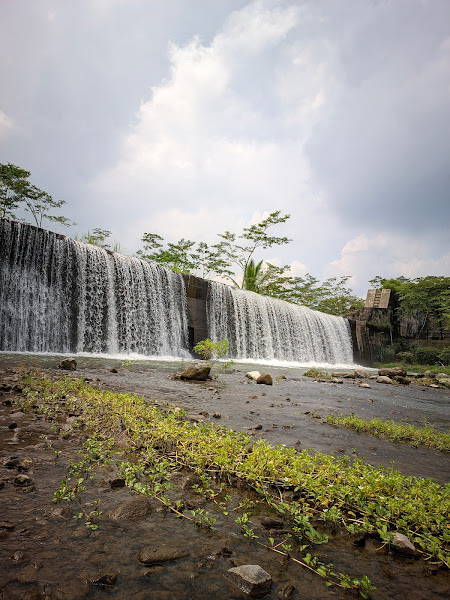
x: 388, y: 255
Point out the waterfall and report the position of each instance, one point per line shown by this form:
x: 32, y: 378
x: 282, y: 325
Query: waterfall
x: 60, y: 295
x: 263, y: 328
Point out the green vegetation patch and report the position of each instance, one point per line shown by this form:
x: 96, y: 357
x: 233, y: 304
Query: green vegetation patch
x: 397, y: 432
x: 351, y: 494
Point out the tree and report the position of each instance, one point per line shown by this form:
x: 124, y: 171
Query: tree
x: 17, y: 192
x: 98, y: 238
x: 422, y: 298
x: 13, y: 184
x: 177, y: 257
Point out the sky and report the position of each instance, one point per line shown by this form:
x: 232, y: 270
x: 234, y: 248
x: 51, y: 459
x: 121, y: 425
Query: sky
x: 187, y: 118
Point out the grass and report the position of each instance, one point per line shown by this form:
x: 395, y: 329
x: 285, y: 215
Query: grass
x: 353, y: 495
x: 416, y: 368
x: 396, y: 432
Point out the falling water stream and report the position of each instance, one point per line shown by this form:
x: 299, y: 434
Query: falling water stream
x: 60, y: 295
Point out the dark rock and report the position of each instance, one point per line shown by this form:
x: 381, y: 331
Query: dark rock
x: 360, y: 540
x: 401, y: 379
x: 151, y: 555
x: 401, y: 544
x: 392, y: 372
x: 24, y: 464
x: 7, y: 525
x: 285, y: 591
x: 116, y: 483
x: 251, y: 579
x: 19, y: 556
x: 258, y: 427
x: 69, y: 364
x: 270, y: 523
x: 197, y: 372
x: 217, y: 416
x: 22, y: 480
x: 113, y: 370
x: 135, y: 509
x: 108, y: 578
x: 265, y: 379
x: 12, y: 462
x: 13, y: 425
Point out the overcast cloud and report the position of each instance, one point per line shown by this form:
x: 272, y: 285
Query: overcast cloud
x: 188, y: 117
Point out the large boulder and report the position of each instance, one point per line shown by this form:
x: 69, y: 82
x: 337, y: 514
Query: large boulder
x: 197, y: 372
x: 360, y: 374
x: 253, y: 375
x: 251, y: 579
x: 265, y: 378
x: 384, y: 379
x: 392, y: 372
x: 69, y: 364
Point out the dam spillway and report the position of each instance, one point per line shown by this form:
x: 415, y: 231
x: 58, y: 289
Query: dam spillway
x: 58, y: 295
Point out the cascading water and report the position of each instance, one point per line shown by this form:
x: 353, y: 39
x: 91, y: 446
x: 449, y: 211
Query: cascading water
x: 59, y: 295
x: 263, y: 328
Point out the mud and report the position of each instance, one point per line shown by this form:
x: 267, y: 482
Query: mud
x: 45, y: 553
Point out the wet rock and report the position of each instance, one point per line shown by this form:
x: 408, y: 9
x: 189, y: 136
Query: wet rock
x: 364, y: 385
x: 113, y: 370
x: 11, y: 463
x: 402, y: 380
x: 116, y: 483
x: 251, y: 579
x: 108, y: 578
x: 69, y: 364
x: 384, y: 379
x: 270, y: 523
x: 197, y: 372
x: 265, y: 378
x: 217, y: 416
x: 7, y: 525
x: 13, y: 425
x: 258, y: 427
x: 24, y: 464
x: 360, y: 374
x: 392, y: 372
x: 185, y: 481
x: 152, y: 555
x: 22, y: 480
x: 19, y: 556
x: 63, y: 512
x: 133, y: 510
x: 253, y: 375
x: 336, y: 380
x: 285, y: 591
x: 401, y: 544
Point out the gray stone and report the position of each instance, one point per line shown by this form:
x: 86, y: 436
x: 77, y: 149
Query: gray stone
x: 253, y: 375
x: 108, y: 578
x: 384, y: 379
x: 364, y: 385
x: 69, y: 364
x: 22, y: 480
x: 251, y: 579
x: 153, y: 555
x: 392, y: 372
x: 336, y: 380
x: 361, y: 374
x: 135, y: 509
x: 401, y: 544
x: 197, y: 372
x: 265, y: 379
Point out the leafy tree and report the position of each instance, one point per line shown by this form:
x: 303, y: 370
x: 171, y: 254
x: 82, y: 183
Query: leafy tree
x: 177, y: 257
x: 17, y: 192
x: 422, y: 298
x: 13, y: 184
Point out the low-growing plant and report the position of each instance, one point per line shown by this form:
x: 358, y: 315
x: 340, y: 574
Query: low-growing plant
x: 427, y: 356
x: 212, y: 350
x: 317, y: 373
x: 444, y: 357
x: 425, y: 436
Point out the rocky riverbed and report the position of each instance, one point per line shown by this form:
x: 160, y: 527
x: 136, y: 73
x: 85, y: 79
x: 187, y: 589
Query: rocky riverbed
x: 141, y: 550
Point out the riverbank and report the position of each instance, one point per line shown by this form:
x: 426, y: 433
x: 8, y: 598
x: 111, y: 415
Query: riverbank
x: 195, y: 575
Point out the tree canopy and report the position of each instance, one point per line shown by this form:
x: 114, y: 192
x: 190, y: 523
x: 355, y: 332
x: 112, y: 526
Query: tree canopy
x: 17, y: 192
x: 421, y: 297
x: 233, y: 257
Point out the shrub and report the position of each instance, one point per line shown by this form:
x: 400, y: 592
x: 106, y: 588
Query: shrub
x: 427, y: 356
x: 406, y: 357
x: 385, y: 354
x: 444, y: 357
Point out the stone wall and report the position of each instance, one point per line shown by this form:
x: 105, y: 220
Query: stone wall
x: 196, y: 292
